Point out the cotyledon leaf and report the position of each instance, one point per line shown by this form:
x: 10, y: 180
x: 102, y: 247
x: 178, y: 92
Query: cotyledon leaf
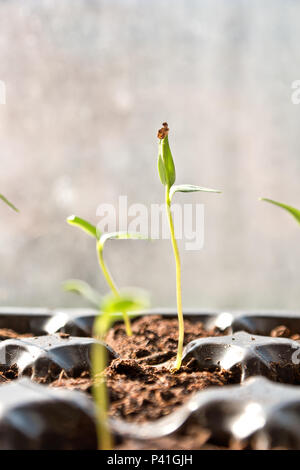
x: 84, y: 225
x: 120, y: 236
x: 190, y: 188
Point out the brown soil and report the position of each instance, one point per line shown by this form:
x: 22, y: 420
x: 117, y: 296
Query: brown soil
x: 6, y: 333
x: 285, y: 373
x: 283, y: 331
x: 8, y: 373
x: 83, y: 383
x: 140, y: 392
x: 154, y: 338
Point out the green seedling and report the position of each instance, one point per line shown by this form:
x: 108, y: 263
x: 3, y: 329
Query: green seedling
x: 10, y: 204
x: 101, y: 239
x: 110, y: 305
x: 167, y: 174
x: 292, y: 210
x: 83, y: 289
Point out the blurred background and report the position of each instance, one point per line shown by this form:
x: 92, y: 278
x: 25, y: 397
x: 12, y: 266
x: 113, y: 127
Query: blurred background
x: 87, y: 86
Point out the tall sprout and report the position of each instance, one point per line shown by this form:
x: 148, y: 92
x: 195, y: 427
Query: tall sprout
x: 167, y: 174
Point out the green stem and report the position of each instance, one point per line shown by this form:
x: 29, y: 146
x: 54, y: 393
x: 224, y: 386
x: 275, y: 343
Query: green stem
x: 178, y: 282
x: 112, y: 286
x: 99, y: 362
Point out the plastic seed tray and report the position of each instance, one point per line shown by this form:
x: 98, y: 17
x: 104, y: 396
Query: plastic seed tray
x: 43, y: 356
x: 35, y: 417
x: 275, y: 358
x: 257, y: 412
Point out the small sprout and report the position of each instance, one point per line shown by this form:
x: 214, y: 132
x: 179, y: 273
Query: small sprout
x: 167, y: 174
x: 110, y: 306
x: 101, y: 239
x: 292, y: 210
x: 10, y: 204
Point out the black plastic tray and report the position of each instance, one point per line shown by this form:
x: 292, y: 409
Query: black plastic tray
x: 257, y: 410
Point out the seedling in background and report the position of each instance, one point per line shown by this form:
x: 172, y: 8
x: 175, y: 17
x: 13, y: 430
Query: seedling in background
x: 110, y: 305
x: 167, y: 174
x: 10, y: 204
x: 100, y: 242
x: 292, y: 210
x: 83, y: 289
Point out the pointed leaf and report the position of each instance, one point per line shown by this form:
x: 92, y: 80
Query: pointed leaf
x: 84, y: 225
x: 292, y: 210
x: 84, y: 289
x: 10, y: 204
x: 190, y: 188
